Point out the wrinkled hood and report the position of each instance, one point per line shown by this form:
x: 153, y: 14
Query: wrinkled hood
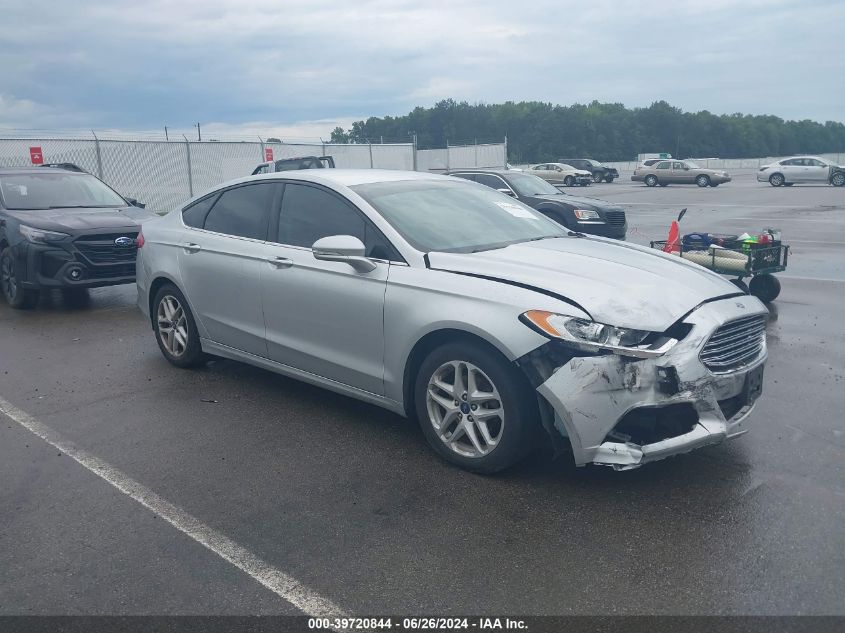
x: 74, y: 220
x: 616, y: 283
x: 578, y: 202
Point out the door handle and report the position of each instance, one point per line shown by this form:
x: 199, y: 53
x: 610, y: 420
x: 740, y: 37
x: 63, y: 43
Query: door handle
x: 280, y: 262
x: 190, y: 247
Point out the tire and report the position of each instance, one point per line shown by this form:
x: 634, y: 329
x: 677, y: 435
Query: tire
x: 838, y: 179
x: 609, y: 179
x: 650, y: 180
x: 765, y: 287
x: 776, y: 180
x: 703, y: 180
x: 171, y: 308
x: 739, y: 283
x: 568, y: 181
x: 17, y: 297
x: 598, y: 176
x: 453, y: 431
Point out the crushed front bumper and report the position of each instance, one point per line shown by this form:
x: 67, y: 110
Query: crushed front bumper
x: 593, y: 397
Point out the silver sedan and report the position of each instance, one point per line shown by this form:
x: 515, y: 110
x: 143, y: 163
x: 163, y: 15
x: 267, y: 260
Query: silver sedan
x: 449, y: 302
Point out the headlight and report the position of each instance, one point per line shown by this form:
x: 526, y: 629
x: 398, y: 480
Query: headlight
x: 586, y: 214
x: 40, y: 236
x: 592, y: 337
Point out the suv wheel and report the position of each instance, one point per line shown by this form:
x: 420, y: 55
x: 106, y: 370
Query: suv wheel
x: 175, y: 328
x: 475, y: 409
x: 17, y: 297
x: 650, y: 180
x: 598, y: 176
x: 776, y: 180
x: 703, y: 180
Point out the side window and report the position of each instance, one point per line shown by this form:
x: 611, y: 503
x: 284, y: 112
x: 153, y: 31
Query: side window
x: 195, y: 214
x: 677, y: 165
x: 491, y: 181
x: 540, y: 167
x: 263, y: 169
x: 791, y: 162
x: 309, y: 213
x: 812, y: 162
x: 663, y: 165
x: 464, y: 176
x: 242, y: 211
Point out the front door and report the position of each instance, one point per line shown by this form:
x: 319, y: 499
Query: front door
x: 322, y: 317
x: 221, y: 260
x: 817, y: 171
x: 682, y: 174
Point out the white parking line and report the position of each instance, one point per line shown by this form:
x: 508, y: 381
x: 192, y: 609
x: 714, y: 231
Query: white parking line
x: 283, y: 585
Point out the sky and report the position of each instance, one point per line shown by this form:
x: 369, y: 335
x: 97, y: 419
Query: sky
x: 297, y: 69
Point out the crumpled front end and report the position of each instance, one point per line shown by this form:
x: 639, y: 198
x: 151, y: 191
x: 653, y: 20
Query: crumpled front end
x: 624, y: 412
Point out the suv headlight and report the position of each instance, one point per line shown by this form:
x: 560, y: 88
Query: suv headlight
x: 40, y: 236
x: 591, y: 336
x: 586, y: 214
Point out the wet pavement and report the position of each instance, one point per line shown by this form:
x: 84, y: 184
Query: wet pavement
x: 348, y: 498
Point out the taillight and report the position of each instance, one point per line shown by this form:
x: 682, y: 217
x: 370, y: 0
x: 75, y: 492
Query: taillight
x: 139, y: 241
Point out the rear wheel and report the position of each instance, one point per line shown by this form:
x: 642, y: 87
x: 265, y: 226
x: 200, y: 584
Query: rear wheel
x: 765, y: 287
x: 703, y: 180
x: 650, y: 180
x: 175, y: 328
x: 776, y: 180
x: 569, y: 181
x: 475, y: 409
x: 609, y: 179
x: 16, y: 296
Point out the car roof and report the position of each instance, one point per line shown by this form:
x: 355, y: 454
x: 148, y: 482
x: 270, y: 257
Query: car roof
x: 343, y: 177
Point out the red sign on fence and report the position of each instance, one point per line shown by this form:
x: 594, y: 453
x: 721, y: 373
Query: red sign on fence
x: 268, y: 153
x: 36, y: 156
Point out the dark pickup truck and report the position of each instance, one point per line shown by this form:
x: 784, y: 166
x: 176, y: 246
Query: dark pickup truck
x: 599, y: 170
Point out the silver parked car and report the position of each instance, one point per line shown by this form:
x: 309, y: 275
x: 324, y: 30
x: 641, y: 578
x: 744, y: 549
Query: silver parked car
x: 450, y: 302
x: 797, y: 169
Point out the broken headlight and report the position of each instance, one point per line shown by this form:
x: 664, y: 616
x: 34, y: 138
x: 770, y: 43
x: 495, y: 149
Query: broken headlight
x: 592, y: 336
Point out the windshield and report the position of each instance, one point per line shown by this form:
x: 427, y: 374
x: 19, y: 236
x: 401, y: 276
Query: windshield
x: 54, y: 190
x: 456, y: 216
x: 531, y: 185
x: 692, y: 165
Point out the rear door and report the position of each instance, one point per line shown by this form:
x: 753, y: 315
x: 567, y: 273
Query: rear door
x: 793, y: 169
x: 221, y: 258
x: 322, y: 317
x: 663, y: 171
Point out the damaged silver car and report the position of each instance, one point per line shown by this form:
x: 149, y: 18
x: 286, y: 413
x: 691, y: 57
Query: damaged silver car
x: 450, y: 302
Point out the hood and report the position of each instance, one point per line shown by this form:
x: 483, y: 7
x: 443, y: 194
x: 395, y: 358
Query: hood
x: 76, y: 220
x: 616, y: 283
x: 579, y: 202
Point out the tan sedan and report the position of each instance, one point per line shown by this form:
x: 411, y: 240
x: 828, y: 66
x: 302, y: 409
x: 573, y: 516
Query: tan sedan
x: 679, y: 172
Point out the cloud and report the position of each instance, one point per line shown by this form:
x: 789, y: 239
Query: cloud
x: 298, y: 66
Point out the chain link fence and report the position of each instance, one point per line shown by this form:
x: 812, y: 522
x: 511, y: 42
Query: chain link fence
x: 487, y: 155
x: 164, y: 173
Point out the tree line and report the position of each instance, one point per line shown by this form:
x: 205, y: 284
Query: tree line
x: 538, y: 131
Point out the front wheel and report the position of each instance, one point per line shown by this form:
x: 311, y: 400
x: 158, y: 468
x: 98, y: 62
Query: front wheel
x: 650, y: 180
x: 598, y: 176
x: 765, y: 287
x: 776, y: 180
x: 568, y: 181
x: 175, y: 328
x: 703, y: 180
x: 16, y: 296
x: 838, y: 179
x: 475, y: 409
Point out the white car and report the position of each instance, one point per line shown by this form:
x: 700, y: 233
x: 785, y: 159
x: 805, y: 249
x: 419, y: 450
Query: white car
x: 562, y: 174
x: 788, y: 171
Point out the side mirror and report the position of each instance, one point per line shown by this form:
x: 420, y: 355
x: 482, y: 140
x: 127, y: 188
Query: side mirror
x: 506, y: 191
x: 343, y: 248
x: 135, y: 203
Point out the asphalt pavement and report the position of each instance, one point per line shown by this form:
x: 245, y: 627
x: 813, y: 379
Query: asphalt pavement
x: 348, y: 500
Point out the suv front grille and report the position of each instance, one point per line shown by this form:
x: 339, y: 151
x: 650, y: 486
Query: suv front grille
x: 734, y: 344
x: 615, y: 218
x: 101, y: 249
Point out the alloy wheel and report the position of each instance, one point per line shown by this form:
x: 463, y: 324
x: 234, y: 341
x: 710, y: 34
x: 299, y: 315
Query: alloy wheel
x: 465, y: 409
x: 172, y: 325
x: 8, y: 281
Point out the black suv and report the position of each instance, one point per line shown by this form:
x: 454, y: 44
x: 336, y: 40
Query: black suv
x: 63, y: 228
x: 599, y: 170
x: 585, y: 215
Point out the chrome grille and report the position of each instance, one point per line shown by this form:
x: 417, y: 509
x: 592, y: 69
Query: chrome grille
x: 734, y: 344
